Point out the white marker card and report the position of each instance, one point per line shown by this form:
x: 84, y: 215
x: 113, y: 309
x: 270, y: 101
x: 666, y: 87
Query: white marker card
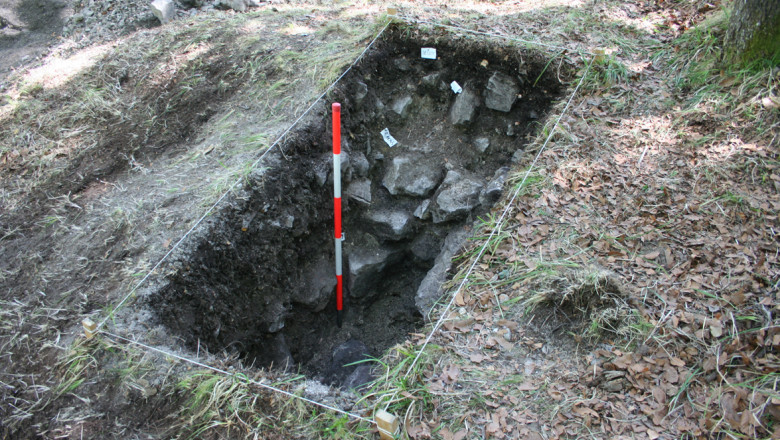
x: 456, y: 87
x: 389, y: 139
x: 428, y: 53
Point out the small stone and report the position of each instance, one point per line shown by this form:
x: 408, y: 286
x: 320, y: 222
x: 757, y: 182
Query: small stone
x: 423, y: 211
x: 481, y: 144
x: 493, y: 189
x: 464, y: 110
x: 533, y: 114
x: 390, y: 225
x: 360, y: 164
x: 402, y: 64
x: 402, y: 105
x: 359, y: 91
x: 360, y: 378
x: 344, y: 359
x: 503, y: 298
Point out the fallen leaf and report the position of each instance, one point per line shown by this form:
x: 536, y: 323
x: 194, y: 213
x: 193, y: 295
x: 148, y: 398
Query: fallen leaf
x: 527, y: 386
x: 477, y: 358
x: 584, y: 411
x: 652, y: 255
x: 716, y: 330
x: 450, y: 374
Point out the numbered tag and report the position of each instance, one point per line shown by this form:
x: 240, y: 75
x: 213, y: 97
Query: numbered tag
x: 456, y: 87
x: 389, y: 139
x: 428, y: 53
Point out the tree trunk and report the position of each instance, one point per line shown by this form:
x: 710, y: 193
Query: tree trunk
x: 753, y: 32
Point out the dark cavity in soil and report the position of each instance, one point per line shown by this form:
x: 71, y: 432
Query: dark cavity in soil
x: 260, y: 280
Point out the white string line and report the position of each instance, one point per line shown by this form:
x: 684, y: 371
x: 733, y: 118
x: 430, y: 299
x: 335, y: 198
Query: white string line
x: 499, y: 225
x: 254, y: 164
x: 233, y: 375
x: 488, y: 34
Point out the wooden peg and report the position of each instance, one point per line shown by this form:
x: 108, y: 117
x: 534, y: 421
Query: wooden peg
x: 392, y: 11
x: 89, y: 327
x: 387, y: 424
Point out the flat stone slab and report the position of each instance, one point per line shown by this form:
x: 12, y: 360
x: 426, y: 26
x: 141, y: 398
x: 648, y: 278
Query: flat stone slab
x: 411, y: 175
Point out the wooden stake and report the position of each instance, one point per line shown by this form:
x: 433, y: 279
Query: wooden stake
x: 392, y: 11
x: 89, y: 327
x: 387, y: 424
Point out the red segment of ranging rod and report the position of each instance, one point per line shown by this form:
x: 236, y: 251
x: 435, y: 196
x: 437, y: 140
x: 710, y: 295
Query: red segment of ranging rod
x: 338, y: 235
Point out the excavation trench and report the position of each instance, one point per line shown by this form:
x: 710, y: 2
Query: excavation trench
x: 260, y: 280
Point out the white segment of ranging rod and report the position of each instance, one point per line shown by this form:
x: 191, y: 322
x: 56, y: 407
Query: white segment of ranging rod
x: 337, y: 194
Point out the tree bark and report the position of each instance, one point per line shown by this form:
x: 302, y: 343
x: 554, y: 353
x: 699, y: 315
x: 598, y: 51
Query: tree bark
x: 753, y: 32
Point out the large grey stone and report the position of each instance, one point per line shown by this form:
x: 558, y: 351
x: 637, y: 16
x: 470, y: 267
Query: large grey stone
x: 317, y: 283
x: 390, y: 224
x: 501, y: 92
x: 457, y: 198
x: 433, y: 83
x: 430, y: 288
x: 411, y: 175
x: 464, y: 110
x: 164, y: 10
x: 360, y: 191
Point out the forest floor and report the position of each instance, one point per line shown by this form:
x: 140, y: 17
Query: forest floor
x: 625, y: 286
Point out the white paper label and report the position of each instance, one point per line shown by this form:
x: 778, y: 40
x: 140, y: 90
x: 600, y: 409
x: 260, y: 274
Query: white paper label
x: 389, y: 139
x: 456, y: 87
x: 428, y: 53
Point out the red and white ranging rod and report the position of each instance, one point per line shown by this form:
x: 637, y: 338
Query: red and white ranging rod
x: 338, y: 236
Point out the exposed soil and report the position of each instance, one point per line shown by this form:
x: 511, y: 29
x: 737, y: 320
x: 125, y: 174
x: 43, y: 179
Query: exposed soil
x: 260, y: 282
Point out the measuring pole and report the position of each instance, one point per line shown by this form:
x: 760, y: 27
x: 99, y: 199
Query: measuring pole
x: 338, y: 236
